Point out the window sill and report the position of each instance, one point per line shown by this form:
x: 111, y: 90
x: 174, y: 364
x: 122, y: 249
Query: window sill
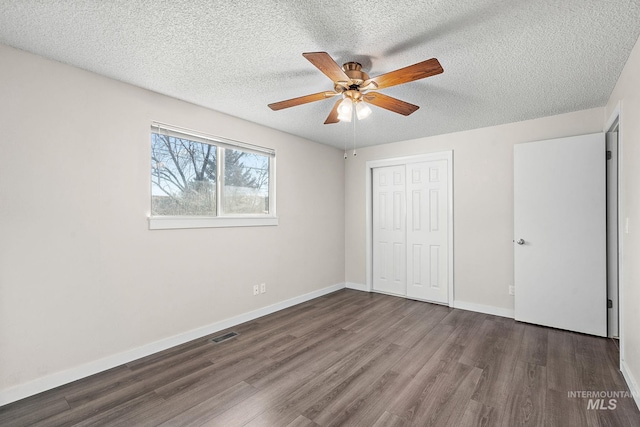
x: 176, y: 222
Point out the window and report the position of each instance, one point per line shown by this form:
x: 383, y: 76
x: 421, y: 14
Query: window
x: 246, y: 182
x: 205, y: 181
x: 183, y: 176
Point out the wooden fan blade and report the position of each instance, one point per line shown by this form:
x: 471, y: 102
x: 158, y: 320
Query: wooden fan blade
x: 390, y: 103
x: 301, y: 100
x: 333, y: 115
x: 418, y: 71
x: 325, y: 63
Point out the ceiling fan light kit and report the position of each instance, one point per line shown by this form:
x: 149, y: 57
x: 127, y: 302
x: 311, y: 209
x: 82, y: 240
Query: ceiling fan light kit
x: 345, y: 110
x: 358, y: 89
x: 362, y: 110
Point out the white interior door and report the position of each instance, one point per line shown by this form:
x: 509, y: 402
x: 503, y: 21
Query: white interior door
x: 427, y: 231
x: 389, y: 230
x: 560, y: 233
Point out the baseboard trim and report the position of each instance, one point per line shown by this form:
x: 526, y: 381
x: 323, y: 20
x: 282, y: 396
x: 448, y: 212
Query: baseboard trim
x: 60, y: 378
x: 356, y: 286
x: 486, y: 309
x: 631, y: 382
x: 462, y: 305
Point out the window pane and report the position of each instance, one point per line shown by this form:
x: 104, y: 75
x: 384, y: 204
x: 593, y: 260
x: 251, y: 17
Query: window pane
x: 246, y: 182
x: 183, y: 177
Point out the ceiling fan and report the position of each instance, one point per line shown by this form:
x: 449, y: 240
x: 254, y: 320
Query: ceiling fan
x: 357, y: 89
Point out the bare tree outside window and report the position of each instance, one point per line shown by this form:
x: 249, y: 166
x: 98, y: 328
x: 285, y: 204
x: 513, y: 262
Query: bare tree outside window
x: 184, y: 179
x: 246, y: 182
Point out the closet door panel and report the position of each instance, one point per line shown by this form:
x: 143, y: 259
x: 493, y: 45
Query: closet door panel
x: 389, y: 230
x: 427, y: 233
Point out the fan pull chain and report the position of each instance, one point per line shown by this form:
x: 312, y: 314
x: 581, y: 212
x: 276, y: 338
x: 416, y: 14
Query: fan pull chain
x: 345, y: 144
x: 354, y: 132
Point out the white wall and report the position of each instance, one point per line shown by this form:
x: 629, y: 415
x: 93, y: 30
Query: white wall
x: 483, y: 201
x: 627, y: 95
x: 81, y: 276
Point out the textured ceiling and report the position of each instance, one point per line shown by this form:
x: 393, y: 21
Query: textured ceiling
x: 504, y: 61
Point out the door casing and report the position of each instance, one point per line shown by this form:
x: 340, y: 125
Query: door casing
x: 615, y: 122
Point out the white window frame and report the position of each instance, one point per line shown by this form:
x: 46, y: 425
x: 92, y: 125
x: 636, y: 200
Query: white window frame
x: 166, y: 222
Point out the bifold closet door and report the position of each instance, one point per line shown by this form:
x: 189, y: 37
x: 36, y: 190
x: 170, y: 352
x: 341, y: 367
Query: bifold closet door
x: 427, y: 231
x: 389, y: 230
x: 410, y: 230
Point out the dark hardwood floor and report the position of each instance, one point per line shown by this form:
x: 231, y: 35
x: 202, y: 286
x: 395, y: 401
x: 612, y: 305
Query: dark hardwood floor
x: 353, y: 358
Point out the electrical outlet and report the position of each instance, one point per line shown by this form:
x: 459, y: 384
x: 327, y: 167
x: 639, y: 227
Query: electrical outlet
x: 256, y: 289
x: 263, y: 288
x: 512, y: 290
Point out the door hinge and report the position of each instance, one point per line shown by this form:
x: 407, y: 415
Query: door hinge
x: 609, y: 155
x: 609, y: 303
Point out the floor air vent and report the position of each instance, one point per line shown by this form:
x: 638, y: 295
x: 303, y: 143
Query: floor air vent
x: 224, y: 337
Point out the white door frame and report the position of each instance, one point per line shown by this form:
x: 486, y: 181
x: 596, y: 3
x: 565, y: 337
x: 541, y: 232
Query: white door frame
x: 612, y: 231
x: 616, y: 120
x: 370, y: 165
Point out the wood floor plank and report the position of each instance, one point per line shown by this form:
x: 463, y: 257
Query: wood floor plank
x: 421, y: 352
x: 132, y: 412
x: 352, y: 358
x: 596, y: 375
x: 432, y: 369
x: 80, y: 394
x: 274, y: 417
x: 259, y: 402
x: 378, y: 316
x: 325, y: 337
x: 33, y: 409
x: 318, y: 386
x: 370, y: 408
x: 162, y: 356
x: 486, y: 345
x: 120, y: 396
x: 335, y: 407
x: 560, y: 410
x: 442, y: 404
x: 477, y: 414
x: 562, y: 373
x: 387, y: 419
x: 613, y: 358
x: 426, y: 320
x: 98, y: 406
x: 302, y: 421
x: 526, y: 404
x: 213, y: 379
x: 495, y: 384
x: 329, y: 316
x: 208, y: 408
x: 296, y: 359
x: 534, y: 345
x: 363, y: 407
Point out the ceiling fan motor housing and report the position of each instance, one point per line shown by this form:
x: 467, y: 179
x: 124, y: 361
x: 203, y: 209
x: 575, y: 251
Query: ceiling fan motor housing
x: 353, y: 70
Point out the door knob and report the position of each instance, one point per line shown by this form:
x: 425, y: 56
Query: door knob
x: 520, y: 241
